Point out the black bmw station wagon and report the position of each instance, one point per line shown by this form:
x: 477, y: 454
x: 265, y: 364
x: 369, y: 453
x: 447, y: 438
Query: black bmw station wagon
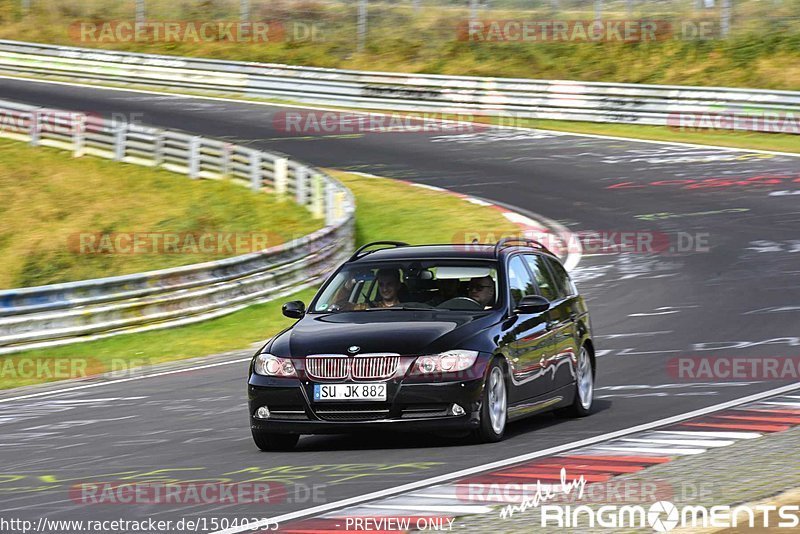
x: 427, y: 338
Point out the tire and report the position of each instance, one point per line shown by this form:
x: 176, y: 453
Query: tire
x: 494, y: 406
x: 267, y: 441
x: 583, y: 402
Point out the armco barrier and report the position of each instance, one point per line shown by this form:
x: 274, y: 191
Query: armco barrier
x: 538, y: 99
x: 65, y: 313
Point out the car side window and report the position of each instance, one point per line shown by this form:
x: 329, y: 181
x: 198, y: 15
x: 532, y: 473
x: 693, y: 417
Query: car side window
x: 564, y: 283
x: 519, y: 281
x: 544, y: 280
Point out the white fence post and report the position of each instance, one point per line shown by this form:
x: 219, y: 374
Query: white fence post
x: 725, y: 15
x: 34, y: 127
x: 226, y: 160
x: 158, y: 149
x: 317, y: 197
x: 255, y: 170
x: 330, y: 216
x: 140, y: 11
x: 119, y: 143
x: 598, y: 14
x: 194, y: 157
x: 78, y: 135
x: 281, y: 175
x: 362, y: 24
x: 300, y: 177
x: 338, y: 203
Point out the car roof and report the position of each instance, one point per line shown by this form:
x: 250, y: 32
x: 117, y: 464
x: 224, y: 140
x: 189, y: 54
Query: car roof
x: 419, y: 252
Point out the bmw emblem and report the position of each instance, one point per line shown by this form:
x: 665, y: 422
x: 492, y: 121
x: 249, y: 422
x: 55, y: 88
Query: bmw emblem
x: 353, y: 349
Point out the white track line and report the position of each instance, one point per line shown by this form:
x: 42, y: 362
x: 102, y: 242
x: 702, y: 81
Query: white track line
x: 413, y: 486
x: 649, y: 450
x: 121, y: 380
x: 401, y: 114
x: 704, y: 434
x: 687, y: 441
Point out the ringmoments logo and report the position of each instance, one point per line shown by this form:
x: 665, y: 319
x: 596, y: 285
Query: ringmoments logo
x: 664, y: 516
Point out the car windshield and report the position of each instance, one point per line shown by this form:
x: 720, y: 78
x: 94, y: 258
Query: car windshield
x: 421, y: 284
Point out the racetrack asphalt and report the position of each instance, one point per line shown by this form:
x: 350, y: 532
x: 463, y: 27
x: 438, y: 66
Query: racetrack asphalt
x: 740, y: 298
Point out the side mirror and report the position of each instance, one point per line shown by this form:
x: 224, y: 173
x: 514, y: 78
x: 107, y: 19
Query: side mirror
x: 294, y: 309
x: 532, y: 304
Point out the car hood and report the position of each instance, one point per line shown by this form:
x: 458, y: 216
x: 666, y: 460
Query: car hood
x: 399, y: 331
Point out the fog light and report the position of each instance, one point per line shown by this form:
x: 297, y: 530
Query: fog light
x: 456, y: 410
x: 262, y: 413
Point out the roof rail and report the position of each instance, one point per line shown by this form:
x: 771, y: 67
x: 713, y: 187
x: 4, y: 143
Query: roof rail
x: 357, y: 254
x: 525, y: 242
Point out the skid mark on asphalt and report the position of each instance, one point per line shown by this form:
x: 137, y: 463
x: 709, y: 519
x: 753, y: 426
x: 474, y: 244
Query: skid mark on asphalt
x: 600, y: 463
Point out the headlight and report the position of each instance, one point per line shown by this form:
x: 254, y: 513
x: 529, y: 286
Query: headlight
x: 269, y: 365
x: 451, y: 361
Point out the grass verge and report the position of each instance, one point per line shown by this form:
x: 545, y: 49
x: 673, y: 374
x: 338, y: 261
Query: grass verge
x: 55, y: 210
x: 387, y: 209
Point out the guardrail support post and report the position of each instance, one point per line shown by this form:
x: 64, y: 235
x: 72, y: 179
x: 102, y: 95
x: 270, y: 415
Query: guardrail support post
x: 34, y: 127
x: 194, y: 157
x: 158, y: 150
x: 78, y: 135
x: 119, y: 143
x: 226, y: 160
x: 140, y: 11
x: 300, y: 177
x: 338, y: 205
x: 255, y: 170
x: 317, y: 197
x: 361, y: 25
x: 725, y: 18
x: 281, y: 175
x: 330, y: 213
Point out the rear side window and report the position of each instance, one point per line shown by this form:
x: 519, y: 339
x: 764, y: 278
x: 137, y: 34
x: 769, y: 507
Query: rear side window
x: 544, y: 280
x: 519, y: 281
x: 564, y: 283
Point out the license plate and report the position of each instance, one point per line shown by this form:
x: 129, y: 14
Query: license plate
x: 357, y: 392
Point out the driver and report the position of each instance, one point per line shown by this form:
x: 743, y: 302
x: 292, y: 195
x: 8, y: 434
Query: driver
x: 481, y: 290
x: 388, y: 288
x: 447, y: 290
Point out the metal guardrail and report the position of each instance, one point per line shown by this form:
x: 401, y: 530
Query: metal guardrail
x: 519, y: 98
x: 75, y: 311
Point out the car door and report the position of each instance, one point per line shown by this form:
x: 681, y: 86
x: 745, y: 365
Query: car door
x: 527, y: 338
x: 561, y: 316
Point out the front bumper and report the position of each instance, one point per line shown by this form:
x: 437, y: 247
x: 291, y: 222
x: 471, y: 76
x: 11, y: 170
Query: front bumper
x: 409, y: 407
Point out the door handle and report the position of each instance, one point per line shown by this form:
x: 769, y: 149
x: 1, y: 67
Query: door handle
x: 550, y: 325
